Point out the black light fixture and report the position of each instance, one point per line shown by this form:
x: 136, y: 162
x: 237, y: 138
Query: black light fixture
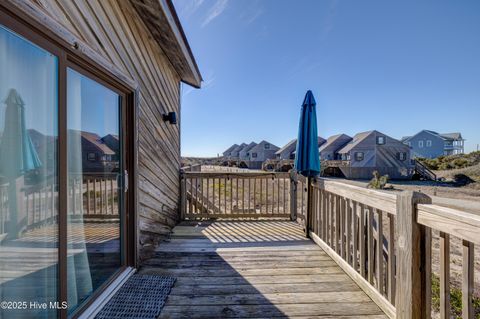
x: 171, y: 117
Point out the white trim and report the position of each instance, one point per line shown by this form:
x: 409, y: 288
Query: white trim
x: 107, y: 294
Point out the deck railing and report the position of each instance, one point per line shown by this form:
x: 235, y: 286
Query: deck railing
x: 3, y: 209
x: 382, y: 240
x: 235, y: 195
x: 356, y: 227
x: 90, y: 196
x: 464, y: 227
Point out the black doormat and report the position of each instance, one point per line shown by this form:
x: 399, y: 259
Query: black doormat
x: 142, y: 297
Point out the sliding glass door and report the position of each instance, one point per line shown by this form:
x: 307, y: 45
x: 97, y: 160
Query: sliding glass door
x: 28, y: 177
x: 95, y: 166
x: 63, y: 199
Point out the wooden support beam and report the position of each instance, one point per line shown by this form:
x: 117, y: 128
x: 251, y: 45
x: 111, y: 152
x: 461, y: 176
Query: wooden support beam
x: 411, y: 248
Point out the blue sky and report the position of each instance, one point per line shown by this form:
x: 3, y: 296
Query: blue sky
x: 397, y: 67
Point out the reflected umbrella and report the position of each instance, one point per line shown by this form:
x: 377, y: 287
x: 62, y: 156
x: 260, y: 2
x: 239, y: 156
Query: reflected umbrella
x: 18, y: 157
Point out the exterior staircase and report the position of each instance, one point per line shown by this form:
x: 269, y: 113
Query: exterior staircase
x: 424, y: 171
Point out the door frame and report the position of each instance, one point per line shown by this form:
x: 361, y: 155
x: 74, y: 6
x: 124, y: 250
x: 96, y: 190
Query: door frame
x: 23, y: 25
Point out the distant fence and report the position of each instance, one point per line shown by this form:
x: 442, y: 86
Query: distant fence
x: 226, y: 169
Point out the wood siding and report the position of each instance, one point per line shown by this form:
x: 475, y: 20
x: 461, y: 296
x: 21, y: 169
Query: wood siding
x: 382, y: 158
x: 115, y: 31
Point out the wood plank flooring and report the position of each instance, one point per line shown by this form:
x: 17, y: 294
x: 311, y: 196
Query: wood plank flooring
x: 254, y: 269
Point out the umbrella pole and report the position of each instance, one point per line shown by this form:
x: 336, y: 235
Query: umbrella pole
x: 309, y: 207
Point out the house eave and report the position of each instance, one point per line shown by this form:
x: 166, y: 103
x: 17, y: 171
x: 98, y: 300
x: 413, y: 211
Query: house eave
x: 163, y: 23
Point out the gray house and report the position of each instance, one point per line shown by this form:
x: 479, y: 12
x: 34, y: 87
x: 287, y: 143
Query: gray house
x: 288, y: 151
x: 374, y: 151
x: 228, y: 152
x: 328, y: 150
x: 244, y: 154
x: 260, y: 153
x: 235, y: 153
x: 430, y: 144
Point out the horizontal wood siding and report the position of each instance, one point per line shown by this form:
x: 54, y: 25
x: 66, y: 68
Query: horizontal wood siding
x: 116, y: 32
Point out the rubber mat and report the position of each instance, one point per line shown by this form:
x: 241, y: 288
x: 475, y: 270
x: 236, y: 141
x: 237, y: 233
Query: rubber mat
x: 142, y: 297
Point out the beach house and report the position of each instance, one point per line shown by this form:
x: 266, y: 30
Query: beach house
x: 374, y: 151
x: 430, y: 144
x: 329, y: 150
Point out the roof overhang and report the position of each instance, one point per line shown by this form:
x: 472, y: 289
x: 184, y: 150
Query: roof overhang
x: 162, y: 21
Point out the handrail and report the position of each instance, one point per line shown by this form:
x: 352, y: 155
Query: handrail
x: 236, y: 174
x: 376, y: 199
x: 465, y: 226
x: 355, y: 226
x: 232, y: 195
x: 383, y: 241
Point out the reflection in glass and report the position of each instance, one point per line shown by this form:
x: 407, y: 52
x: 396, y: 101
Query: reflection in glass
x: 94, y: 168
x: 28, y: 176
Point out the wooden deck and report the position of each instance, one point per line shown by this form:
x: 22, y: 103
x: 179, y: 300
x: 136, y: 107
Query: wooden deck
x: 254, y: 269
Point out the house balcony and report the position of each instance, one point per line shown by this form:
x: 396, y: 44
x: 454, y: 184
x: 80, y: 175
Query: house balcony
x: 256, y: 245
x: 264, y: 244
x: 336, y: 163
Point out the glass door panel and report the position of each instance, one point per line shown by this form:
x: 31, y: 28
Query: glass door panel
x: 94, y: 197
x: 28, y: 178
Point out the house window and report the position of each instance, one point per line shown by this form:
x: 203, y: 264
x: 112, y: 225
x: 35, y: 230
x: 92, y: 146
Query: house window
x: 359, y: 156
x: 402, y: 156
x: 92, y: 157
x: 409, y: 144
x: 420, y: 144
x: 380, y: 140
x: 254, y: 155
x: 267, y: 146
x: 429, y: 143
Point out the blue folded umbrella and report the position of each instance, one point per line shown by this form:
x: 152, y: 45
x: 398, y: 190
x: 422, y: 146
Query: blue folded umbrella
x: 307, y: 161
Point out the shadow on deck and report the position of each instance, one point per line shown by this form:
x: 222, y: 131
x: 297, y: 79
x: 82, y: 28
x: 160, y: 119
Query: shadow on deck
x: 254, y: 269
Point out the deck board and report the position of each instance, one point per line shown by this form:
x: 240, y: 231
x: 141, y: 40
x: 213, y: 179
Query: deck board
x: 254, y: 269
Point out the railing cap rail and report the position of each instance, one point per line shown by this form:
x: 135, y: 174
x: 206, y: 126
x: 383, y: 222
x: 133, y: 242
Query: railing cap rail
x: 377, y: 199
x: 455, y: 222
x: 236, y: 174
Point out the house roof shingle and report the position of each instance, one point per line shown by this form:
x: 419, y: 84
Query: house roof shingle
x: 357, y: 139
x: 331, y: 141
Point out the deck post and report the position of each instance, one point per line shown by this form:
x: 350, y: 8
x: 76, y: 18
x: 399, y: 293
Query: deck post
x: 293, y: 196
x: 413, y: 274
x: 183, y: 195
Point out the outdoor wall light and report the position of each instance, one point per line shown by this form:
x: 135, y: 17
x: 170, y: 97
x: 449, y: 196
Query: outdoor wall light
x: 171, y: 117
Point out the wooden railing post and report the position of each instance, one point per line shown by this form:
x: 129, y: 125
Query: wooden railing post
x: 413, y: 270
x: 293, y: 196
x: 183, y: 195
